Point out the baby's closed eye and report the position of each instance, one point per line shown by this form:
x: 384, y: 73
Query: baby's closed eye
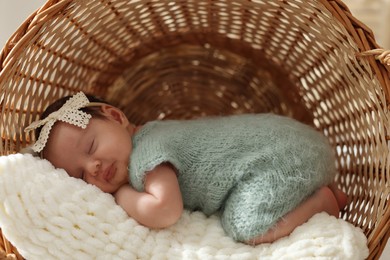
x: 92, y: 147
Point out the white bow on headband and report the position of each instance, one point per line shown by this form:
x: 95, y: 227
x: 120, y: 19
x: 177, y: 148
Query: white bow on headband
x: 68, y: 113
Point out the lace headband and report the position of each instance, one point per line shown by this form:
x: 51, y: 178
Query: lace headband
x: 68, y: 113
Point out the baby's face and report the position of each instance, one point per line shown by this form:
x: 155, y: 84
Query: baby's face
x: 98, y: 154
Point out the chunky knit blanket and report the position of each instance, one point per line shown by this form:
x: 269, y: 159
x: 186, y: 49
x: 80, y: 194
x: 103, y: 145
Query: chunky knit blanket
x: 254, y: 167
x: 48, y: 215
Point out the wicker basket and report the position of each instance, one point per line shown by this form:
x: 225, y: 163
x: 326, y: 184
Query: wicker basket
x: 187, y: 58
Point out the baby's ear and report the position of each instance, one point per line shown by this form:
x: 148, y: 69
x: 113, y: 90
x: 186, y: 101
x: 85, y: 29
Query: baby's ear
x: 115, y: 114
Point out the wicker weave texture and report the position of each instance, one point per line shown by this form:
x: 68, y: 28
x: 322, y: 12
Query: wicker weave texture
x: 185, y: 59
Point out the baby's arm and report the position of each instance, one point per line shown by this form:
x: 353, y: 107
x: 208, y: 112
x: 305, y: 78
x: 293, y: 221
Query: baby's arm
x: 160, y: 205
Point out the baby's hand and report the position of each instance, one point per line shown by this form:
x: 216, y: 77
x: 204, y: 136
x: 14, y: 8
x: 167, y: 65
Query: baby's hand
x: 160, y: 205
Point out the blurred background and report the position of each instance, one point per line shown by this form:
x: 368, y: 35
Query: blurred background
x: 374, y: 13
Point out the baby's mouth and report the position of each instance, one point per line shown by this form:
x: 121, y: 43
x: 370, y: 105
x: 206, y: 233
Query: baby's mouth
x: 109, y: 173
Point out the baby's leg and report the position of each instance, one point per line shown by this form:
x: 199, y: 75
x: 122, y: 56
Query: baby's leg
x: 322, y: 200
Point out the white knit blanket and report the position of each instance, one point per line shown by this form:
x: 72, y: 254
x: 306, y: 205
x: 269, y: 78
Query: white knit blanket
x: 48, y: 215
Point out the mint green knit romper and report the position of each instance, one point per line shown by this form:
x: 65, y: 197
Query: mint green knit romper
x: 252, y: 168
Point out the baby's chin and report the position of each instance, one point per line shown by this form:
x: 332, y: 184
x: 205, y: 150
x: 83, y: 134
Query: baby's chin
x: 117, y: 188
x: 122, y: 182
x: 110, y: 190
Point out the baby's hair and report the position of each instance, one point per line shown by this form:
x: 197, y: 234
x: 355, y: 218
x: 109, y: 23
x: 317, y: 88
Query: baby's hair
x: 94, y: 111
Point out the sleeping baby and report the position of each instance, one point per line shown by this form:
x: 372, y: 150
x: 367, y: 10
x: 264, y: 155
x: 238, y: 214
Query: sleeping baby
x: 265, y: 174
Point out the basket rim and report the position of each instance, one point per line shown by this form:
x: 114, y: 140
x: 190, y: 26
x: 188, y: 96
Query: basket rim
x: 362, y: 35
x: 26, y: 30
x: 365, y: 40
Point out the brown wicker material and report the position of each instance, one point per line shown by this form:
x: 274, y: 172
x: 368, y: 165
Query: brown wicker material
x: 184, y: 59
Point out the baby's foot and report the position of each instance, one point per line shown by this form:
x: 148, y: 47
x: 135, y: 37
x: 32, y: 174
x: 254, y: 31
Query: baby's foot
x: 328, y: 201
x: 341, y: 197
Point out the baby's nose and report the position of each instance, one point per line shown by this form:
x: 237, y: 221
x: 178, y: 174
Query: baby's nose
x: 93, y: 167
